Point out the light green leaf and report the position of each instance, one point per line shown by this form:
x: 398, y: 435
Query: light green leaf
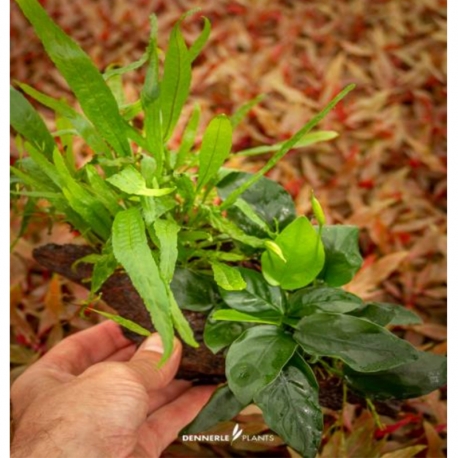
x: 79, y: 122
x: 131, y: 181
x: 189, y: 137
x: 131, y: 249
x: 227, y: 277
x: 28, y: 123
x: 124, y: 322
x: 180, y: 322
x: 176, y: 81
x: 103, y: 192
x: 96, y: 99
x: 103, y: 269
x: 307, y: 140
x: 197, y: 46
x: 235, y: 315
x: 167, y: 234
x: 216, y: 145
x: 241, y: 112
x: 304, y: 254
x: 287, y: 146
x: 275, y: 249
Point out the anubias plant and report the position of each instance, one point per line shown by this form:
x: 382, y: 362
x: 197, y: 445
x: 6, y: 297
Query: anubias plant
x: 194, y: 235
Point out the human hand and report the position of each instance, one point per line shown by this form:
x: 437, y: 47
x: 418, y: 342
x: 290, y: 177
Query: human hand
x: 93, y: 395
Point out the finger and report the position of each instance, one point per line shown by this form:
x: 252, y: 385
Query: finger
x: 145, y: 363
x: 85, y: 348
x: 125, y: 354
x: 162, y: 427
x: 159, y: 398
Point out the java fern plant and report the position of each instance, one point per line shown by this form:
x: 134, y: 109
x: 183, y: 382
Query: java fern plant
x: 177, y: 221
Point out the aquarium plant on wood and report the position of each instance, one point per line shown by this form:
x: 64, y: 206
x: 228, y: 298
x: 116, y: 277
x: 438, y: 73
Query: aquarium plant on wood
x: 193, y: 238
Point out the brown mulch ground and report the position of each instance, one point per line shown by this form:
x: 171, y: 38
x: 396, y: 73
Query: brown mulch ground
x: 386, y: 172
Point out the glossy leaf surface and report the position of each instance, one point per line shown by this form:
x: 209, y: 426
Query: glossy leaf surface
x: 194, y: 291
x: 222, y: 406
x: 310, y: 300
x: 256, y: 358
x: 267, y: 199
x: 420, y: 377
x: 364, y: 346
x: 257, y: 296
x: 384, y: 314
x: 304, y: 254
x: 290, y: 407
x: 343, y: 258
x: 267, y: 317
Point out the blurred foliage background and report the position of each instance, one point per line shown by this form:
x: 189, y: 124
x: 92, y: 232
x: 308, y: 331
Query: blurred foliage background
x: 385, y: 173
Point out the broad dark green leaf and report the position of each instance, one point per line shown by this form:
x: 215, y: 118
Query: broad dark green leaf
x: 216, y: 146
x: 256, y: 358
x: 291, y: 408
x: 227, y: 277
x: 426, y: 374
x: 194, y: 291
x: 258, y: 295
x: 287, y: 146
x: 266, y: 317
x: 176, y: 80
x: 304, y: 254
x: 222, y: 406
x: 270, y: 201
x: 131, y: 249
x: 307, y: 140
x: 343, y: 258
x: 312, y: 299
x: 220, y: 334
x: 94, y: 96
x: 28, y: 123
x: 364, y: 346
x: 384, y: 314
x: 124, y: 322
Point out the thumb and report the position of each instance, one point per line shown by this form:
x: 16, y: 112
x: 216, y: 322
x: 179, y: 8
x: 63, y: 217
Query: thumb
x: 145, y: 363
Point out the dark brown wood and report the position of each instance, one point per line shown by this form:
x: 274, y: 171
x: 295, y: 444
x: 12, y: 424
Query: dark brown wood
x: 199, y: 365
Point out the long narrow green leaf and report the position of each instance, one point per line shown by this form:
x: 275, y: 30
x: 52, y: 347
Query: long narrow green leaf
x: 33, y: 182
x: 104, y: 193
x: 189, y: 136
x: 288, y: 145
x: 241, y: 112
x: 307, y: 140
x: 180, y: 322
x: 82, y: 76
x: 47, y: 167
x: 118, y: 71
x: 124, y: 322
x: 131, y: 249
x: 79, y: 122
x: 151, y: 101
x: 167, y: 234
x: 216, y: 146
x: 197, y: 46
x: 176, y: 80
x: 82, y: 201
x: 27, y: 122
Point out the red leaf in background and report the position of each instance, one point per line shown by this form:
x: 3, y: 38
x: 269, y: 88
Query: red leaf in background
x: 409, y: 419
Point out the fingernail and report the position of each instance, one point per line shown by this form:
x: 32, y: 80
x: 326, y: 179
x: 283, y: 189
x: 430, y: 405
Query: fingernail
x: 153, y: 343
